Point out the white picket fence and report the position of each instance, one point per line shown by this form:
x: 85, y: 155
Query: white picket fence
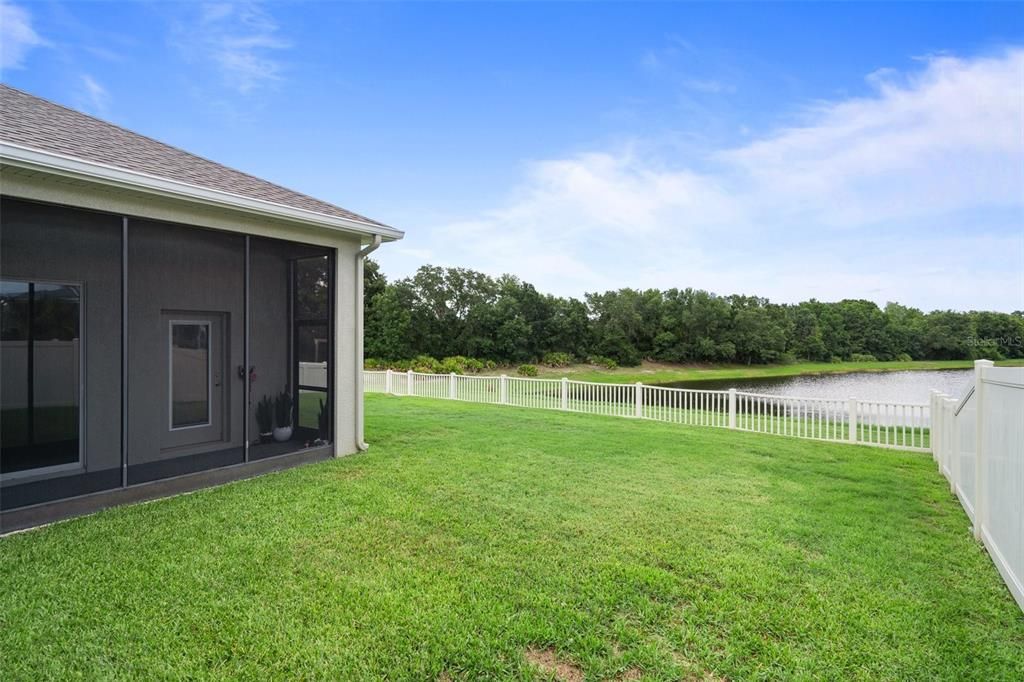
x: 894, y: 425
x: 978, y: 443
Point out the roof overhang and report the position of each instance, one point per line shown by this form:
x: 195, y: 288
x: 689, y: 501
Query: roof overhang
x: 111, y: 176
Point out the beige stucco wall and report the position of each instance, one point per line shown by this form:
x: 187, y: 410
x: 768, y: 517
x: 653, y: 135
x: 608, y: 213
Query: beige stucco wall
x: 348, y: 388
x: 35, y: 186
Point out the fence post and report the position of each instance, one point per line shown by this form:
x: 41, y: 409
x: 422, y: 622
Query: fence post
x: 851, y: 411
x: 408, y: 383
x: 503, y: 390
x: 944, y: 437
x: 933, y: 419
x: 954, y: 443
x: 565, y: 393
x: 947, y: 433
x: 639, y: 399
x: 980, y: 489
x: 732, y: 408
x: 451, y: 386
x: 937, y: 425
x: 387, y: 381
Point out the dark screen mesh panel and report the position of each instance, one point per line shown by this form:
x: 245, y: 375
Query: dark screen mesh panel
x: 60, y: 327
x: 290, y: 346
x: 186, y: 313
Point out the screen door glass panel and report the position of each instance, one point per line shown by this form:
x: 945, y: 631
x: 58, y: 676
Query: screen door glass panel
x: 190, y: 374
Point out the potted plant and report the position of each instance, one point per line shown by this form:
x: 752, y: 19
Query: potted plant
x: 321, y: 420
x: 265, y: 418
x: 283, y: 417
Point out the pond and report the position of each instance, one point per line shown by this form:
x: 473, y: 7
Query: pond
x: 896, y: 387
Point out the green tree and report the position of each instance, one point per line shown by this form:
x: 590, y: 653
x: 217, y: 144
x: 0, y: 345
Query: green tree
x: 807, y: 341
x: 389, y: 331
x: 455, y: 311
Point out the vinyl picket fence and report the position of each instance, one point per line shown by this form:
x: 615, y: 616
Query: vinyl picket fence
x: 894, y: 425
x: 979, y: 448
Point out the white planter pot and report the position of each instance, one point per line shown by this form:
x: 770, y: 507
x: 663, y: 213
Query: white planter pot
x: 282, y: 433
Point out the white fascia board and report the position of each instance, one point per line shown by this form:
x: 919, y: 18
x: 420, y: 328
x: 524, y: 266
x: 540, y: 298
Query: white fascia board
x: 90, y: 171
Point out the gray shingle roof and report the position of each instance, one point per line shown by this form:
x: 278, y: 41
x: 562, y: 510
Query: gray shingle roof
x: 37, y: 123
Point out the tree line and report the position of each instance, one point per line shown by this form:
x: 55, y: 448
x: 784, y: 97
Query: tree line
x: 443, y: 312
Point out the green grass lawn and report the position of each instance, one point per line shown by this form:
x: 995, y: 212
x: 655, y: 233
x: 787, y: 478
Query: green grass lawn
x: 471, y: 540
x: 664, y: 373
x: 309, y: 408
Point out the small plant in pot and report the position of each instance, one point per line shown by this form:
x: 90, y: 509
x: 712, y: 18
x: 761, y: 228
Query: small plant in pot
x: 265, y: 418
x: 283, y: 417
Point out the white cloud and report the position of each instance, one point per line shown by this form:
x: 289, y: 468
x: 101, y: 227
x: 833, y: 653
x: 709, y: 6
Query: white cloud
x: 708, y: 85
x: 105, y: 54
x: 241, y: 40
x: 900, y: 195
x: 679, y: 61
x: 650, y: 60
x: 92, y: 97
x: 424, y: 255
x: 17, y: 36
x: 946, y: 138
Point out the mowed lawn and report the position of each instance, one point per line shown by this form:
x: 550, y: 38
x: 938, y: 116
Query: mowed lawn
x: 481, y: 542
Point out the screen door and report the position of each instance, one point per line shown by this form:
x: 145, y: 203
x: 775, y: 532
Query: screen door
x: 195, y: 381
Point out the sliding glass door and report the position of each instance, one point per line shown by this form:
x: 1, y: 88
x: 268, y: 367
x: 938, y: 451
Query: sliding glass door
x: 41, y: 358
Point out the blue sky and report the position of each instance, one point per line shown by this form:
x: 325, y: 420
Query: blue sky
x: 790, y: 151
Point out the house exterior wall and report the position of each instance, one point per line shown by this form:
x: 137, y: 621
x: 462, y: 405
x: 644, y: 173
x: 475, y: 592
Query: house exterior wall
x: 172, y: 266
x: 101, y: 198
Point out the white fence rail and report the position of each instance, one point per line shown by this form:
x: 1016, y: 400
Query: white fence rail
x: 894, y: 425
x: 979, y: 447
x: 313, y: 374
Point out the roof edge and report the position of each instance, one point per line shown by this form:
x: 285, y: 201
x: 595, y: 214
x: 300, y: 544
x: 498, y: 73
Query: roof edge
x: 69, y: 166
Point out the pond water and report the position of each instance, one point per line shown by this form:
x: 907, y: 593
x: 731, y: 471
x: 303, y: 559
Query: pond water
x: 896, y: 387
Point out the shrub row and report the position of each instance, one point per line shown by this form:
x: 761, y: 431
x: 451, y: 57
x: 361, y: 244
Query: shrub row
x: 456, y: 364
x: 862, y: 357
x: 459, y: 364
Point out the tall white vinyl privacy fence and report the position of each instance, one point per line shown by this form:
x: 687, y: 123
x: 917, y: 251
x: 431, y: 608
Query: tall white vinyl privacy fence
x: 978, y: 443
x: 894, y: 425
